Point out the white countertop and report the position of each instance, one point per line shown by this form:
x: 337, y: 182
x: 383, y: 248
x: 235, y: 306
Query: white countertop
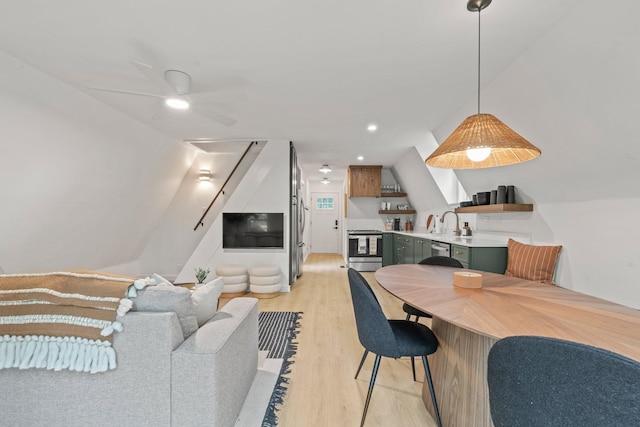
x: 473, y: 241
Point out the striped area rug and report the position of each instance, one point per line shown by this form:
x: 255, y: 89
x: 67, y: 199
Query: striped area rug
x: 277, y: 331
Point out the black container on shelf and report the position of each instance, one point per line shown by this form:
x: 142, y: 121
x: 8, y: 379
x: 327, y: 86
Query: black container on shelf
x: 494, y: 197
x: 501, y: 194
x: 511, y: 194
x: 483, y: 197
x: 475, y: 200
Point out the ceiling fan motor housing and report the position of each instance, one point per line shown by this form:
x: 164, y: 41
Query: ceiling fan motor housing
x: 180, y: 81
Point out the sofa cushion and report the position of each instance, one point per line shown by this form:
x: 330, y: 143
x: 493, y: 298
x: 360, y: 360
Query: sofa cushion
x: 169, y: 299
x: 161, y: 280
x: 531, y: 262
x: 205, y: 299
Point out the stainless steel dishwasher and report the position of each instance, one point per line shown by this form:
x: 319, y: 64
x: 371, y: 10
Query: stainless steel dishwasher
x: 441, y: 249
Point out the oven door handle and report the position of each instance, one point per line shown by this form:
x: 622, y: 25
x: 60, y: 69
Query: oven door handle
x: 439, y: 248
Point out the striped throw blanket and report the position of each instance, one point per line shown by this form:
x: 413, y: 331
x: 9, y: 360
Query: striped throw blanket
x: 62, y: 320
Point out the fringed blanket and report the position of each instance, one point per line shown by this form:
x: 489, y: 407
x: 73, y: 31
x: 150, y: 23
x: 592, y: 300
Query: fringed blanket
x: 62, y: 320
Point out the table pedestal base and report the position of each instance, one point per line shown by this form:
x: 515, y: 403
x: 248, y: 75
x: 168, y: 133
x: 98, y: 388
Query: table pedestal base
x: 459, y: 370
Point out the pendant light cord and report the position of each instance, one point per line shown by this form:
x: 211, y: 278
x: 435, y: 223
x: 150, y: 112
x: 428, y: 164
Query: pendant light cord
x: 479, y: 60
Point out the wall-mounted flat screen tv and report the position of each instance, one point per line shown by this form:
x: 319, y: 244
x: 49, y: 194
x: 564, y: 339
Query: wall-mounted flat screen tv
x: 252, y: 230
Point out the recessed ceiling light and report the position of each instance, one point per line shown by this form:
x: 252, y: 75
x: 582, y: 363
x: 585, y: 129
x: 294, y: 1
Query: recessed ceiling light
x: 177, y: 103
x: 372, y: 127
x: 360, y: 158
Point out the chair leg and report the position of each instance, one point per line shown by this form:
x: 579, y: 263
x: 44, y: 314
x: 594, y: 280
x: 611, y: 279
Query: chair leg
x: 364, y: 356
x: 433, y: 394
x: 413, y: 368
x: 408, y: 317
x: 376, y: 365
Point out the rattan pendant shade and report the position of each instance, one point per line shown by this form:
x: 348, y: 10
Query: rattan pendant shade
x: 481, y: 131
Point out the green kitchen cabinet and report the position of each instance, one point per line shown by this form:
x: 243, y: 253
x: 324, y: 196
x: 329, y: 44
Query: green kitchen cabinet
x: 387, y: 249
x: 403, y: 249
x: 421, y: 249
x: 481, y: 258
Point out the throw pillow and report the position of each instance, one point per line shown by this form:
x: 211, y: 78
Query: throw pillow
x: 205, y: 300
x: 531, y: 262
x: 169, y: 298
x: 161, y: 281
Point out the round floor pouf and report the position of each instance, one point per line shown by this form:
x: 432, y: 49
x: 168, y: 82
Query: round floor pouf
x: 235, y: 280
x: 264, y: 281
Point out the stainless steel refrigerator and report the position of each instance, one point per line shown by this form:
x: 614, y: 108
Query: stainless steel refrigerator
x: 298, y: 218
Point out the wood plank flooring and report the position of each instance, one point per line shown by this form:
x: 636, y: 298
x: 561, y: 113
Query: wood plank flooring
x: 322, y: 390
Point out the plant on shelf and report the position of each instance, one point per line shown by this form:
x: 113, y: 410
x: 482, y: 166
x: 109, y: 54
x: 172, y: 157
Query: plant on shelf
x: 201, y: 274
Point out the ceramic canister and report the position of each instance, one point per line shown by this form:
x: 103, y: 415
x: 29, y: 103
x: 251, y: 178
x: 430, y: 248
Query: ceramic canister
x: 501, y: 194
x: 494, y: 197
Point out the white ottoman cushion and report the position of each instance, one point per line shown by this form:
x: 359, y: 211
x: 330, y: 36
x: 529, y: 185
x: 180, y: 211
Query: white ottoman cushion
x: 264, y: 280
x: 266, y: 289
x: 234, y: 280
x: 232, y: 289
x: 231, y: 270
x: 264, y: 270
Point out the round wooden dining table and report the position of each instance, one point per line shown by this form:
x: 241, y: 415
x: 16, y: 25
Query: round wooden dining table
x: 468, y: 322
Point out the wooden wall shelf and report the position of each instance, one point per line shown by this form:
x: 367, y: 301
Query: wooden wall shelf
x: 504, y: 207
x: 392, y: 195
x: 397, y: 211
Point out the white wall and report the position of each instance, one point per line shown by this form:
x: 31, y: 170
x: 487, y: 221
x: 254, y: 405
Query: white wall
x: 264, y: 188
x: 574, y: 94
x: 175, y: 239
x: 81, y: 185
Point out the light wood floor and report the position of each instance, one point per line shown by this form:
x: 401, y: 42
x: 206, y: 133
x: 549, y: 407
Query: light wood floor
x: 322, y: 390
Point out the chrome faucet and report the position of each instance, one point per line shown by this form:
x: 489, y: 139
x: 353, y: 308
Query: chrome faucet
x: 458, y: 232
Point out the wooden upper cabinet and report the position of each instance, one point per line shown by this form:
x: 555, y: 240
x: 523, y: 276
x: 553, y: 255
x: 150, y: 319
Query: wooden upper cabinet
x: 364, y: 181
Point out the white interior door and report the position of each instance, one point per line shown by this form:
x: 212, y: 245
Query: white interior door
x: 325, y: 222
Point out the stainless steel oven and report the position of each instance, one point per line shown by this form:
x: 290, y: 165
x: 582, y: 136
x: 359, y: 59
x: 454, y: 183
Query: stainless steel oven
x: 365, y: 250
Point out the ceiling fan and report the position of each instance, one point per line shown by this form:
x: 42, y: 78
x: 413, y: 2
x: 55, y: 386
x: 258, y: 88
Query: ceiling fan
x: 175, y: 89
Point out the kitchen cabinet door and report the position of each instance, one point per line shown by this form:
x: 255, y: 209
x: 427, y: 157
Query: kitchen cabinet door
x: 488, y: 259
x: 483, y: 259
x: 421, y: 249
x: 387, y: 249
x: 364, y: 181
x: 403, y: 249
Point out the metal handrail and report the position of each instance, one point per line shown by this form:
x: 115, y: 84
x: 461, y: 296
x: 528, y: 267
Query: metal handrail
x: 221, y: 191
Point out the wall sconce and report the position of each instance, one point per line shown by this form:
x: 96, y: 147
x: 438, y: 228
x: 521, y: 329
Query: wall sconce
x: 205, y: 175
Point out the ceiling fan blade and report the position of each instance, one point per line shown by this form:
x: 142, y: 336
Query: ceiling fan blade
x: 213, y: 115
x: 126, y: 92
x: 156, y: 77
x: 217, y: 97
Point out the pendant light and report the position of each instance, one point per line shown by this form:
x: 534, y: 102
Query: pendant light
x: 481, y: 140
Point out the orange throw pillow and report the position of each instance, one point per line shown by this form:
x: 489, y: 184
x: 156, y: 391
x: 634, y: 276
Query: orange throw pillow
x: 537, y: 263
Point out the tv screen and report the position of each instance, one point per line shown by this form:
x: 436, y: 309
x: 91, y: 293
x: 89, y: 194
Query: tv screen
x: 252, y: 230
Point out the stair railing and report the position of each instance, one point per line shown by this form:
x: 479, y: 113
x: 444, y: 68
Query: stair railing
x: 221, y: 191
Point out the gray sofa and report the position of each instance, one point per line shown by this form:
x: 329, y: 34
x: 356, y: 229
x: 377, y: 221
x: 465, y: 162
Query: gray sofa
x: 162, y: 378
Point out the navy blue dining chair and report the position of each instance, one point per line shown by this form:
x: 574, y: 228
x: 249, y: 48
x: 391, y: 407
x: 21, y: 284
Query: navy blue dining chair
x: 538, y: 381
x: 388, y: 338
x: 411, y: 310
